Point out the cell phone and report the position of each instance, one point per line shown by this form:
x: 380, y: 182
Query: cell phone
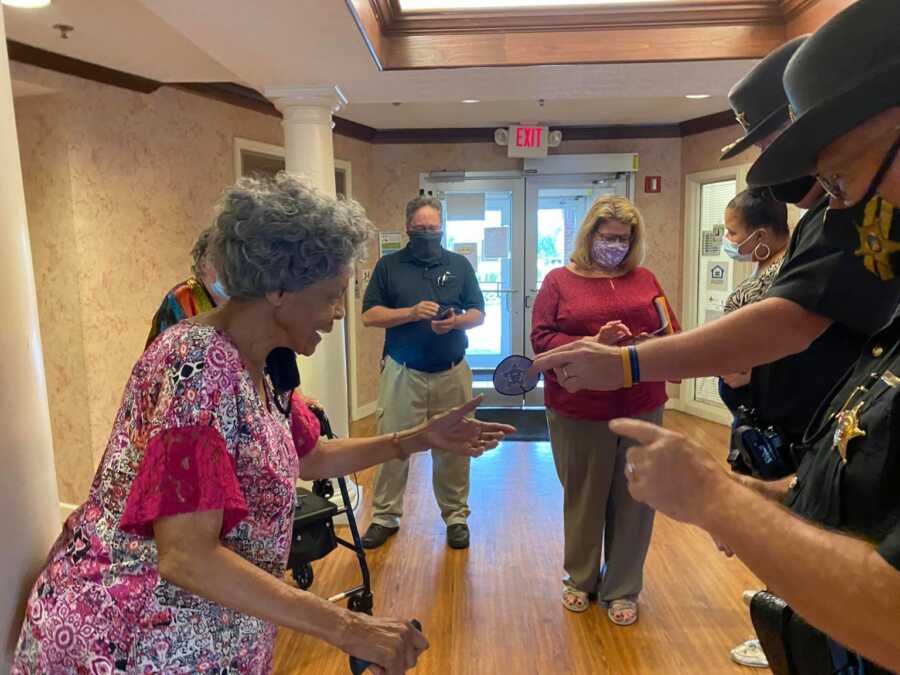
x: 444, y: 312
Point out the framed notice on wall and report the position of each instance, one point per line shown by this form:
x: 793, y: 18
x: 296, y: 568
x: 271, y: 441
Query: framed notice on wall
x: 470, y: 251
x: 389, y: 242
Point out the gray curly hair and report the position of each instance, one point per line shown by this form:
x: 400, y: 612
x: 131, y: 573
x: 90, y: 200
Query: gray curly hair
x: 420, y: 202
x: 282, y: 234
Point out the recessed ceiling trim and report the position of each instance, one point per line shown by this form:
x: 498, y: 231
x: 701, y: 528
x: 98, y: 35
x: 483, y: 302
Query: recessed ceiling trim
x: 668, y: 30
x: 667, y: 13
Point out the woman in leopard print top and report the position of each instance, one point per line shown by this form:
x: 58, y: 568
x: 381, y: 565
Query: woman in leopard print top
x: 756, y: 231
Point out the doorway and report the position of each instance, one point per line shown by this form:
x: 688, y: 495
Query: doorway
x: 709, y: 275
x: 514, y: 228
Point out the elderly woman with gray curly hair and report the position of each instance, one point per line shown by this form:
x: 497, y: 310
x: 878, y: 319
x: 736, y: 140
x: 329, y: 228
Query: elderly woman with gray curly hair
x: 175, y: 562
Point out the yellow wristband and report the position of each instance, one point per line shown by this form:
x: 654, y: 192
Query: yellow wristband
x: 626, y: 368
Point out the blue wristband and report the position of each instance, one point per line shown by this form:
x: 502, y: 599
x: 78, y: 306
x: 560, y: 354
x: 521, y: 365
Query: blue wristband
x: 635, y: 365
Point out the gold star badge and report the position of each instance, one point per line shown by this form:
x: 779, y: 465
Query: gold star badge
x: 875, y: 243
x: 847, y: 429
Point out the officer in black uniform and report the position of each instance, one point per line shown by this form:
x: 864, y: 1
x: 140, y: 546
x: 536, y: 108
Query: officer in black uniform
x: 426, y: 297
x: 784, y: 394
x: 836, y: 558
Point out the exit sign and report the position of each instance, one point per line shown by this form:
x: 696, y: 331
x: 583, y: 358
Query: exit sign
x: 527, y: 141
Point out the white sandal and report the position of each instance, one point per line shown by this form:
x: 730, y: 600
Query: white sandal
x: 626, y: 609
x: 575, y: 600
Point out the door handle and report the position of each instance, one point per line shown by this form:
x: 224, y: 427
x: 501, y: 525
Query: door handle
x: 528, y: 301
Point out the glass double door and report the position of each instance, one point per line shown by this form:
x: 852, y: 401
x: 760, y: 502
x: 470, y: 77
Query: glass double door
x: 514, y: 230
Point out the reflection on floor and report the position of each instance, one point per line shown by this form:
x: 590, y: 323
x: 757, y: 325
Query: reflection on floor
x: 495, y: 608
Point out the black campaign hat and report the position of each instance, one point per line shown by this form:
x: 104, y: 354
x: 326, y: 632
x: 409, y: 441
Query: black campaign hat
x: 847, y: 72
x: 758, y: 100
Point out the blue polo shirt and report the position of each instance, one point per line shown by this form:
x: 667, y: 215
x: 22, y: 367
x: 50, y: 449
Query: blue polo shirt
x: 401, y: 281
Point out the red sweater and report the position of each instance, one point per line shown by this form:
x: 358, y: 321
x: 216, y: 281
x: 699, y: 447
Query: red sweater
x: 570, y: 307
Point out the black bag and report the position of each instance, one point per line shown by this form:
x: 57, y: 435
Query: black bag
x: 313, y: 532
x: 792, y: 646
x: 763, y: 452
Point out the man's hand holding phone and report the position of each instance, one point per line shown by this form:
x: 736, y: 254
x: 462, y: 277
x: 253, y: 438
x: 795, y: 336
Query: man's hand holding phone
x: 444, y: 321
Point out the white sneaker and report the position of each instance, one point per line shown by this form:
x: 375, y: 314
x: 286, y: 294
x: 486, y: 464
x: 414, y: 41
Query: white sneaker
x: 750, y: 654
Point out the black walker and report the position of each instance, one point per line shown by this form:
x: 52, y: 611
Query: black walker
x: 313, y: 535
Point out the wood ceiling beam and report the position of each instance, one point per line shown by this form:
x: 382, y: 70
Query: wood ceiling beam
x: 661, y: 13
x: 710, y: 43
x: 668, y: 30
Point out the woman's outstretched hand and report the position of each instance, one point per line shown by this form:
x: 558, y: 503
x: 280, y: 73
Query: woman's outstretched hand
x: 458, y: 433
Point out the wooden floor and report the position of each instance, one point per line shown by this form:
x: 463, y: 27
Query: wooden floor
x: 495, y: 609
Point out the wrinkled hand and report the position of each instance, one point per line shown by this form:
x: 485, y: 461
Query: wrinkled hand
x: 459, y: 434
x: 613, y: 332
x: 393, y: 645
x: 424, y: 311
x: 583, y: 365
x: 443, y: 326
x: 737, y: 380
x: 311, y: 402
x: 671, y: 473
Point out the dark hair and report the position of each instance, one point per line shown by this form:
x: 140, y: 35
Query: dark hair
x: 760, y: 210
x: 198, y: 253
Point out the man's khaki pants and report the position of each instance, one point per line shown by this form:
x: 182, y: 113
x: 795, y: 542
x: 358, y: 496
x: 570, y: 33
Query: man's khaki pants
x: 406, y: 398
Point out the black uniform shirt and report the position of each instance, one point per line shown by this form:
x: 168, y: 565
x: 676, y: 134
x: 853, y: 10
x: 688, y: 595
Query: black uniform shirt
x: 821, y: 274
x: 862, y: 495
x: 401, y: 281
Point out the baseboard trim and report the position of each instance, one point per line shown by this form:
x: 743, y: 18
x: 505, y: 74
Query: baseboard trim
x: 674, y: 404
x: 364, y: 411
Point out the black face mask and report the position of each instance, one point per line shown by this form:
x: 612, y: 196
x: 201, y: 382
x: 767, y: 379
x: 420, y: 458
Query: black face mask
x: 281, y: 367
x: 878, y: 223
x: 425, y: 247
x: 794, y: 191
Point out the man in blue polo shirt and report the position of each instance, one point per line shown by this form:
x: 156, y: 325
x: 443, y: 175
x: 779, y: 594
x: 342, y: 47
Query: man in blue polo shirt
x: 426, y: 298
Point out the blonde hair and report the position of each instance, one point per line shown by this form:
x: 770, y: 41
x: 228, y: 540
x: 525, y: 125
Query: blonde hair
x: 606, y: 209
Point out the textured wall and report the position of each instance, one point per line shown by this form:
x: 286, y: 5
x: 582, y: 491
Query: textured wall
x: 118, y: 184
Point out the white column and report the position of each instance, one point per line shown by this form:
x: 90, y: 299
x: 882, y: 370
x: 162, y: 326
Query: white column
x: 309, y: 151
x: 29, y: 505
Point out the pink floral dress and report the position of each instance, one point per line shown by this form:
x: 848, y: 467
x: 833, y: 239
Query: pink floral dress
x: 191, y: 435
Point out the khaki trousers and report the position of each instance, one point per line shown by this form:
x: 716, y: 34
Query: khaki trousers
x: 607, y: 533
x: 406, y: 398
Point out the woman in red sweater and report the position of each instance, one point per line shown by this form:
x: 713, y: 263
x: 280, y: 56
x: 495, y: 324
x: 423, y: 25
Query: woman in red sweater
x: 603, y: 295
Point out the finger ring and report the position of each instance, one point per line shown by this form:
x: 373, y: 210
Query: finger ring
x: 629, y: 470
x: 565, y: 373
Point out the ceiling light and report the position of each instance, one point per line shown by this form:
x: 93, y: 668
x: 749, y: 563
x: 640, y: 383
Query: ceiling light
x: 471, y: 100
x: 27, y: 4
x: 697, y: 97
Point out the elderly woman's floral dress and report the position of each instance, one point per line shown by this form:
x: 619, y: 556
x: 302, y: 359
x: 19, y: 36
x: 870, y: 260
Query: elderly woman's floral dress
x: 191, y: 435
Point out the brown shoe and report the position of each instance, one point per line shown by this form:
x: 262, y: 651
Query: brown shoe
x: 377, y: 534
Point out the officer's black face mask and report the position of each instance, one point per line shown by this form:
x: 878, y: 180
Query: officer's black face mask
x: 425, y: 247
x: 877, y: 221
x: 794, y: 191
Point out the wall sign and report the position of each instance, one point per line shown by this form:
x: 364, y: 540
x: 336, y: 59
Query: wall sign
x: 526, y: 141
x: 389, y: 241
x: 469, y: 250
